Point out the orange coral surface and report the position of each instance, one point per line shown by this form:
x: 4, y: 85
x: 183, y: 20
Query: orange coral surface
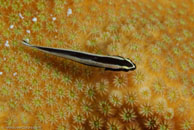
x: 41, y: 91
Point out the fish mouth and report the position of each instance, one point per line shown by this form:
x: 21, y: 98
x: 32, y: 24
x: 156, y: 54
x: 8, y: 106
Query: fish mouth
x: 133, y: 66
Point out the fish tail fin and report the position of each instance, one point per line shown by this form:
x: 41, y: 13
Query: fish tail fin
x: 24, y: 42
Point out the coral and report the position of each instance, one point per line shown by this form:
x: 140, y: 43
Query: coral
x: 96, y: 122
x: 146, y: 110
x: 43, y: 91
x: 128, y: 114
x: 114, y: 124
x: 79, y: 118
x: 116, y: 98
x: 120, y: 81
x: 151, y: 123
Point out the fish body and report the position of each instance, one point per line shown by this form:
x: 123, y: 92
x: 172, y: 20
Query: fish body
x: 113, y: 63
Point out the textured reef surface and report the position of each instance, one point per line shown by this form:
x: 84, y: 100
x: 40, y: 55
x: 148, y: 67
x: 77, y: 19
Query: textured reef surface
x: 41, y: 91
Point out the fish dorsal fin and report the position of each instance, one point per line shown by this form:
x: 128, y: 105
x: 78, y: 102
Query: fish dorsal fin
x: 117, y: 56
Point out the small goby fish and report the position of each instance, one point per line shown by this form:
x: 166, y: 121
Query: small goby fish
x: 113, y: 63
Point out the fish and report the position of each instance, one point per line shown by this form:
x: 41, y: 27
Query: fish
x: 108, y: 62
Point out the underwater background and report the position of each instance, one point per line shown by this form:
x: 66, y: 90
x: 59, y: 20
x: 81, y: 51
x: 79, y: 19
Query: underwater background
x: 41, y: 91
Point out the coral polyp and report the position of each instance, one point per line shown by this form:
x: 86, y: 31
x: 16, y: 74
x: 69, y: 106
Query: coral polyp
x: 96, y: 123
x: 128, y: 115
x: 120, y: 81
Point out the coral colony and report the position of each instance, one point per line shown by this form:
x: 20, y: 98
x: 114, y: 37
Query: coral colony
x: 42, y: 91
